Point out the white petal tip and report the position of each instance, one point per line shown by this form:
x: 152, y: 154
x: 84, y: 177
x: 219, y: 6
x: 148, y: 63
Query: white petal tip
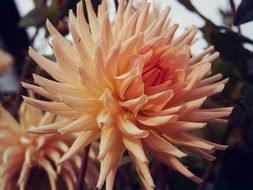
x: 61, y: 161
x: 32, y: 130
x: 196, y: 179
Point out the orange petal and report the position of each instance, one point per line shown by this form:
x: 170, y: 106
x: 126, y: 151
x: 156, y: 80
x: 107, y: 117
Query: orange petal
x: 128, y: 128
x: 82, y: 140
x: 157, y: 120
x: 159, y: 144
x: 134, y: 145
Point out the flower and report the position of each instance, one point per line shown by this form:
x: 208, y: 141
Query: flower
x: 20, y: 152
x: 5, y: 62
x: 132, y: 85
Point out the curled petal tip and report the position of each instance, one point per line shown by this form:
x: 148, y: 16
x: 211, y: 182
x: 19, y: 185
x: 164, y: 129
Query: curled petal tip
x: 61, y: 161
x: 100, y: 157
x: 143, y: 134
x: 23, y: 84
x: 24, y: 97
x: 30, y: 51
x: 231, y: 110
x: 222, y: 147
x: 61, y: 131
x: 181, y: 155
x: 226, y: 80
x: 48, y: 21
x: 211, y: 48
x: 34, y: 75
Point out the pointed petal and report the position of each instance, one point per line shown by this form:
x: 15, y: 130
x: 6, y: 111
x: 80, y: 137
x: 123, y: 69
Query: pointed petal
x: 109, y: 137
x: 198, y: 58
x: 51, y: 128
x: 142, y: 18
x: 157, y: 101
x: 57, y: 108
x: 189, y: 140
x: 128, y: 128
x: 125, y: 80
x: 64, y: 43
x: 82, y: 105
x: 204, y: 115
x: 93, y: 21
x: 134, y: 105
x: 51, y: 67
x: 143, y: 171
x: 180, y: 127
x: 156, y: 120
x: 135, y: 146
x: 178, y: 166
x: 84, y: 29
x: 40, y: 91
x: 110, y: 162
x: 159, y: 144
x: 84, y: 123
x: 82, y: 140
x: 157, y: 29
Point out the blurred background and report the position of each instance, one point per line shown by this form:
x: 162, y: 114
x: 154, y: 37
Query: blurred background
x: 226, y: 24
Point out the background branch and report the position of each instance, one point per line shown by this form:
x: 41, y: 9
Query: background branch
x: 81, y: 177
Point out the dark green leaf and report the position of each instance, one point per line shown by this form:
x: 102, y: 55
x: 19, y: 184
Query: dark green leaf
x: 38, y: 180
x: 35, y: 17
x: 244, y: 12
x: 230, y: 45
x: 236, y: 170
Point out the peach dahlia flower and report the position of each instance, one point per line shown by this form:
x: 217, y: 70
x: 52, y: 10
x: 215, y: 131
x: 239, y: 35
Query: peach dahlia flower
x: 131, y: 84
x: 20, y: 151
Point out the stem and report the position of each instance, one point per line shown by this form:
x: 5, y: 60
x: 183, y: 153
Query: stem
x: 81, y: 177
x: 211, y: 165
x: 232, y: 5
x: 23, y: 75
x: 209, y: 26
x: 188, y: 5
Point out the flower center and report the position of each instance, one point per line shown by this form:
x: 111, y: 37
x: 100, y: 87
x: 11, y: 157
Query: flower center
x: 153, y: 73
x: 162, y: 72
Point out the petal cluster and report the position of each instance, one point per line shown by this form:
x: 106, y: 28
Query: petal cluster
x: 20, y: 152
x: 130, y: 83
